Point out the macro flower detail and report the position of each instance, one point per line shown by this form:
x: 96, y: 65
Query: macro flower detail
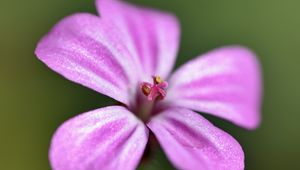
x: 157, y: 89
x: 127, y: 53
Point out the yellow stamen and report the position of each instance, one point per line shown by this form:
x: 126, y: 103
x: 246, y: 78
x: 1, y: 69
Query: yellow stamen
x: 158, y: 80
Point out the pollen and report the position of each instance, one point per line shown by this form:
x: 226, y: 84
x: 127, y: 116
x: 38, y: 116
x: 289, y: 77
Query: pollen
x: 157, y: 79
x: 156, y: 90
x: 146, y: 89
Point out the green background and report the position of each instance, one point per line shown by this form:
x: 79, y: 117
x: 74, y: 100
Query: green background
x: 34, y: 101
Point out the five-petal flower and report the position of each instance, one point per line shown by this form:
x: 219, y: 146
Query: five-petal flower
x: 126, y: 54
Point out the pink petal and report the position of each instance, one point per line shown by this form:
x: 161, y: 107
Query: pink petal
x: 107, y: 138
x: 191, y: 142
x: 152, y: 36
x: 225, y: 82
x: 88, y: 51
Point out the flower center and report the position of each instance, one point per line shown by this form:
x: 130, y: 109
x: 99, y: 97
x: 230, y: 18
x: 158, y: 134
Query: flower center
x: 154, y: 91
x: 148, y: 96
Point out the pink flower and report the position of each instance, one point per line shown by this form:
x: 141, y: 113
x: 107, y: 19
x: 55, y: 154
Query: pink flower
x: 127, y: 53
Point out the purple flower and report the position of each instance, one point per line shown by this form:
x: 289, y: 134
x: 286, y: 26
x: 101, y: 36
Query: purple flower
x: 127, y: 53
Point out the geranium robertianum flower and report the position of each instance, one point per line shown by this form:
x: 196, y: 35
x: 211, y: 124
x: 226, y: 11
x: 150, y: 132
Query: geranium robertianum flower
x: 127, y: 53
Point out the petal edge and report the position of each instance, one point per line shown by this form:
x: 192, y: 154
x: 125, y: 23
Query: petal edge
x: 191, y: 142
x: 106, y: 138
x: 81, y: 48
x: 153, y: 36
x: 225, y: 82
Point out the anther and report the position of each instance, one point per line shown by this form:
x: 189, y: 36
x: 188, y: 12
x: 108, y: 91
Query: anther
x: 157, y: 80
x: 146, y: 88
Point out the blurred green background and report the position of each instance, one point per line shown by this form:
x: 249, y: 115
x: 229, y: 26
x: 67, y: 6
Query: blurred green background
x: 35, y: 101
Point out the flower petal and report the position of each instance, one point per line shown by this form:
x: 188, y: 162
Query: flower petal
x: 191, y: 142
x: 85, y: 49
x: 107, y: 138
x: 225, y: 82
x: 152, y: 36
